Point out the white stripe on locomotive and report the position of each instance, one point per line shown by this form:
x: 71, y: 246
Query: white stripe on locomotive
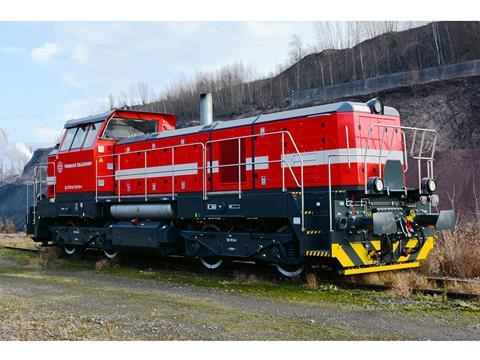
x: 311, y: 158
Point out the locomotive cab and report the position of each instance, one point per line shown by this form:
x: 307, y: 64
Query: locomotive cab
x: 70, y: 167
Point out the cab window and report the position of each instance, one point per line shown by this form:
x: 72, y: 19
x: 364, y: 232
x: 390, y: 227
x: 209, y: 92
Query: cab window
x: 67, y: 140
x: 92, y: 135
x: 126, y: 128
x: 79, y: 137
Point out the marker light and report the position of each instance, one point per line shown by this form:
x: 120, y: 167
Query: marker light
x: 375, y: 184
x: 376, y: 106
x: 429, y: 185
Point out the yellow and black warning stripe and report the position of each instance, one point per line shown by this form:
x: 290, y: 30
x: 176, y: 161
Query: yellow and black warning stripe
x: 360, y: 254
x: 317, y: 253
x: 308, y: 212
x: 313, y: 232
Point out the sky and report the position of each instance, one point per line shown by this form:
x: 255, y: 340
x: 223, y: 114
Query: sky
x: 54, y: 71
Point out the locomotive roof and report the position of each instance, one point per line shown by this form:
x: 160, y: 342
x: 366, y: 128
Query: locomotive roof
x: 339, y: 107
x: 101, y: 117
x: 87, y: 120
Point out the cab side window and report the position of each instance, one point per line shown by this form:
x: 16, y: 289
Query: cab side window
x: 91, y: 136
x: 79, y: 137
x: 67, y: 141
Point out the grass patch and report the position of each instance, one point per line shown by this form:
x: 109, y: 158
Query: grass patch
x: 311, y: 291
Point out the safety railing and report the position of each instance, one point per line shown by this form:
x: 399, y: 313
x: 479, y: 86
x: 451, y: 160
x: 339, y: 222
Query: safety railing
x: 330, y: 204
x: 420, y: 153
x: 40, y: 185
x: 146, y: 172
x: 284, y: 164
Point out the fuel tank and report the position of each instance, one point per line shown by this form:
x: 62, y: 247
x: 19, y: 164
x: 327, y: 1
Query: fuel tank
x: 142, y: 211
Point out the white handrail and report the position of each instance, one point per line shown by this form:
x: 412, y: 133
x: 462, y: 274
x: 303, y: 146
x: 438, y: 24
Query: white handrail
x: 37, y: 183
x: 282, y: 132
x: 418, y: 157
x: 330, y: 217
x: 207, y: 168
x: 145, y: 151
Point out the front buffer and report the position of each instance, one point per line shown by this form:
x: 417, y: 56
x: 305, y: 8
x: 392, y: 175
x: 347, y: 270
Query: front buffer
x: 390, y: 229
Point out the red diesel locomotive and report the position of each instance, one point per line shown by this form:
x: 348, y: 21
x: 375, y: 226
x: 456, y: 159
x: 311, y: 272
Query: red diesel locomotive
x: 318, y: 186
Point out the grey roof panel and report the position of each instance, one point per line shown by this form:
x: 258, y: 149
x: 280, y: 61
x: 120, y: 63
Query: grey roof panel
x: 87, y: 120
x: 345, y: 106
x: 235, y: 123
x: 390, y: 111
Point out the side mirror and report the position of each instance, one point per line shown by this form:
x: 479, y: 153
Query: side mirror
x: 57, y: 145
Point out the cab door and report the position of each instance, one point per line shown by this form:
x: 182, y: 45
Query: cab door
x: 76, y: 160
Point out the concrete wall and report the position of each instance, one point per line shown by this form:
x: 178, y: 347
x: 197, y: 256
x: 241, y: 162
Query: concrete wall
x: 385, y: 82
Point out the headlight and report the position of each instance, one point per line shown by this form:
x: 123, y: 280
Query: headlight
x: 375, y: 184
x: 429, y: 185
x: 376, y: 106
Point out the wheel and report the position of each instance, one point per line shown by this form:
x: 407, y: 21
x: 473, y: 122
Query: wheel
x: 211, y: 262
x: 110, y: 253
x: 288, y: 270
x: 70, y: 249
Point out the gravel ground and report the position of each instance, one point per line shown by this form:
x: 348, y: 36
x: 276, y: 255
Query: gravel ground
x: 51, y: 303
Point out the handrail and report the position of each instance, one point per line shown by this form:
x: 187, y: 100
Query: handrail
x: 419, y: 157
x: 145, y: 151
x: 330, y: 217
x: 35, y: 177
x: 280, y: 132
x: 36, y: 185
x: 207, y: 167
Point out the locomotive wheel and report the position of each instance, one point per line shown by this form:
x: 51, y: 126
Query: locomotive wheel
x: 211, y: 262
x: 288, y: 270
x: 110, y: 253
x: 70, y: 249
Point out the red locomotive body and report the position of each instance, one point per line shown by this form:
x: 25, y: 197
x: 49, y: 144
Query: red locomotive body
x: 241, y: 154
x: 318, y: 185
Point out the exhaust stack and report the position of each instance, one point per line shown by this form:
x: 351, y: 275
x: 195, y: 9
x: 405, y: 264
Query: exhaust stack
x: 206, y: 109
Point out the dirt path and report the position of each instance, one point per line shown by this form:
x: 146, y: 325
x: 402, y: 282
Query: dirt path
x: 49, y: 303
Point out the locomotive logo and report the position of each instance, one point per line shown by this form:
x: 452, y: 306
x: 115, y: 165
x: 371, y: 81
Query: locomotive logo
x: 60, y: 167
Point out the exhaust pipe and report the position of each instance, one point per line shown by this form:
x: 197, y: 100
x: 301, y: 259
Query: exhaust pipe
x: 206, y: 109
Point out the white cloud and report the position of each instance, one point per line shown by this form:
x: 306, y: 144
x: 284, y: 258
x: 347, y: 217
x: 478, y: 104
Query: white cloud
x: 46, y: 134
x: 80, y: 53
x: 72, y: 80
x: 44, y: 52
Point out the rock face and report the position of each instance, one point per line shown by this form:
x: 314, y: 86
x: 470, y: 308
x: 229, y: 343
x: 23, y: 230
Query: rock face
x: 13, y: 195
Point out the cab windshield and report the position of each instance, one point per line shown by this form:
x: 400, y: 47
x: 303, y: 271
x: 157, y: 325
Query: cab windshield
x: 127, y: 128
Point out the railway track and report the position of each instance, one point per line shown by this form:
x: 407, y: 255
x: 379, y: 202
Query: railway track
x: 232, y: 269
x: 21, y: 249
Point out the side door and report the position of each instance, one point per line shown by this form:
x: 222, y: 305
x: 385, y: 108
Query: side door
x: 75, y: 160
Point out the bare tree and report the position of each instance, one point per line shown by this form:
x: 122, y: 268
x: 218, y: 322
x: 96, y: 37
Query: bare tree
x: 143, y: 91
x: 297, y: 52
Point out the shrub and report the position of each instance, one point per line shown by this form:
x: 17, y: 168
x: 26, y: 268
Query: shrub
x: 457, y: 253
